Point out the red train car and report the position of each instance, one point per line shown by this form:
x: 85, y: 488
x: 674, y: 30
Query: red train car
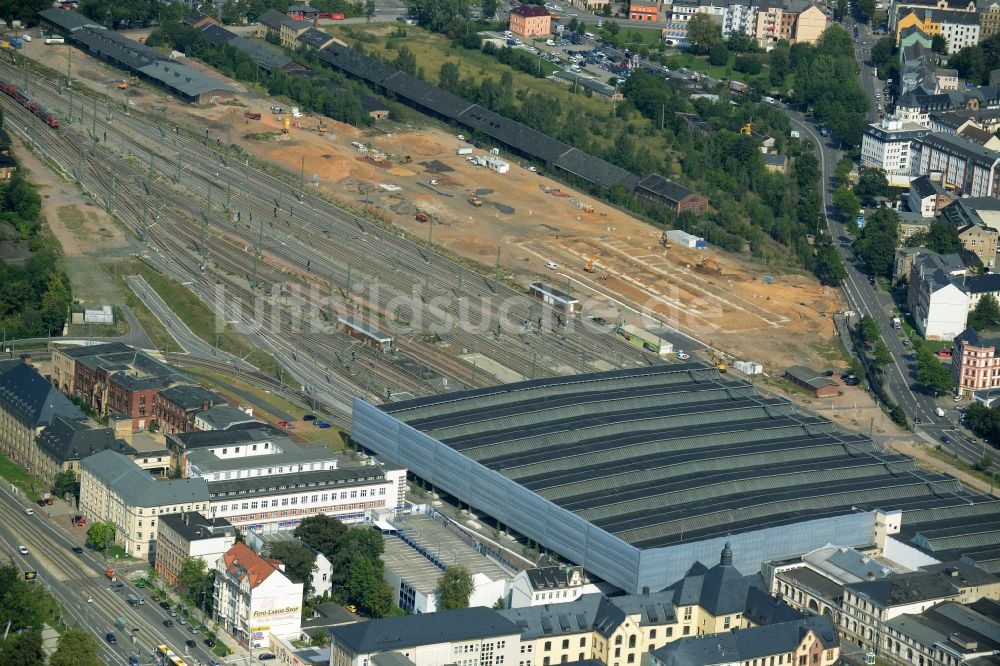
x: 22, y: 98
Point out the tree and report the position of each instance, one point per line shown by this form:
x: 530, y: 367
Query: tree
x: 942, y: 237
x: 299, y: 561
x: 779, y: 65
x: 321, y: 532
x: 367, y: 588
x: 740, y: 42
x: 877, y: 242
x: 612, y: 27
x: 488, y: 9
x: 454, y: 588
x: 939, y: 44
x: 883, y: 51
x: 872, y: 183
x: 23, y: 649
x: 702, y: 33
x: 866, y: 10
x: 868, y: 328
x: 830, y: 267
x: 76, y: 647
x: 196, y: 581
x: 718, y: 54
x: 100, y: 535
x: 932, y: 374
x: 406, y: 61
x: 986, y: 315
x: 64, y: 484
x: 882, y: 355
x: 847, y: 203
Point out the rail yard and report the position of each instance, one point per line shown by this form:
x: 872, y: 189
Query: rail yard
x: 284, y: 265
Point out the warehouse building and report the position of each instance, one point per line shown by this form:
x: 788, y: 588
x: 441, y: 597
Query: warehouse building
x: 635, y: 473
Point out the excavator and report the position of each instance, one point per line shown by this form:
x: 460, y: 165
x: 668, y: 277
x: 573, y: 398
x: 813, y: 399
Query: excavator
x: 747, y: 129
x: 475, y: 200
x: 589, y: 266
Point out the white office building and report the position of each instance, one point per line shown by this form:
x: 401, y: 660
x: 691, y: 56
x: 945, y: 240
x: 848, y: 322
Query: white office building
x: 888, y: 145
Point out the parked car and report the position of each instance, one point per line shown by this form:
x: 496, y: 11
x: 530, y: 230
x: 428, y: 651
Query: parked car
x: 323, y: 425
x: 165, y: 605
x: 209, y: 643
x: 309, y: 417
x: 181, y: 621
x: 266, y: 656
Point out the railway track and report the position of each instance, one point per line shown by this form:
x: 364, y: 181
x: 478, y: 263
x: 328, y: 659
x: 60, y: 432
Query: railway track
x: 185, y: 180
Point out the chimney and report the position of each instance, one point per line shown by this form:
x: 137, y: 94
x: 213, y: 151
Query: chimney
x: 26, y: 359
x: 726, y: 559
x: 645, y: 590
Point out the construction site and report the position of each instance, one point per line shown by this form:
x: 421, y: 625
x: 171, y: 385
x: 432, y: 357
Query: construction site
x: 485, y: 206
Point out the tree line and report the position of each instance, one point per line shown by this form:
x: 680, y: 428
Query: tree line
x: 35, y: 293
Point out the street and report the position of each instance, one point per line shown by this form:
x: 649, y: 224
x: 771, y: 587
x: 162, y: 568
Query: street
x: 864, y: 299
x: 73, y: 579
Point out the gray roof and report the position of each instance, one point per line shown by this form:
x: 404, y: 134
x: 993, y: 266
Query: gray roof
x: 984, y: 283
x: 222, y: 417
x: 265, y: 55
x: 925, y: 187
x: 956, y: 145
x: 977, y: 626
x: 670, y: 454
x: 66, y: 20
x: 32, y: 399
x: 187, y: 81
x: 397, y: 633
x: 815, y: 581
x: 314, y: 38
x: 217, y: 35
x: 192, y: 397
x: 282, y: 484
x: 195, y: 526
x: 591, y: 612
x: 664, y: 187
x: 94, y: 350
x: 272, y: 18
x: 809, y: 376
x: 137, y: 487
x: 64, y: 440
x: 907, y: 588
x: 390, y: 659
x: 746, y: 644
x: 259, y: 432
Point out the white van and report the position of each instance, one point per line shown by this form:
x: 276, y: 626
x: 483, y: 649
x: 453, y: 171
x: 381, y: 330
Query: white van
x: 589, y: 35
x: 939, y: 411
x: 551, y: 265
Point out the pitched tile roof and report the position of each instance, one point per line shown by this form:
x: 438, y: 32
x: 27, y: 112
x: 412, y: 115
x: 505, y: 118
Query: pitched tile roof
x: 242, y: 562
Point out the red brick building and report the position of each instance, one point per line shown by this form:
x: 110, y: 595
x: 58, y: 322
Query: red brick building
x: 975, y: 364
x: 175, y: 408
x: 659, y: 190
x: 643, y: 11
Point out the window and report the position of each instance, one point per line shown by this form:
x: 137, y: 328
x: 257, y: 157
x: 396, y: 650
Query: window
x: 548, y: 646
x: 725, y: 622
x: 687, y: 631
x: 652, y: 634
x: 670, y: 632
x: 583, y: 642
x: 565, y: 644
x: 802, y: 660
x: 618, y: 652
x: 631, y: 658
x: 618, y: 640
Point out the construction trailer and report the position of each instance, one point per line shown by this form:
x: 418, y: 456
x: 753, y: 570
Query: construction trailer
x: 684, y: 239
x: 557, y: 298
x: 643, y: 339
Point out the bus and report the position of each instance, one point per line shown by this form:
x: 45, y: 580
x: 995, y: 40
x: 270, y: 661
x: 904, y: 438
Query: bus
x: 164, y: 656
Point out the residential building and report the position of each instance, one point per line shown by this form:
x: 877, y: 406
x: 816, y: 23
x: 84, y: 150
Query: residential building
x: 315, y: 39
x: 271, y: 22
x: 659, y: 190
x: 979, y: 136
x: 975, y: 363
x: 420, y: 547
x: 63, y: 443
x: 911, y: 36
x: 936, y: 299
x: 175, y: 407
x: 28, y: 403
x: 888, y: 145
x: 905, y: 256
x: 190, y: 534
x: 900, y: 12
x: 543, y: 586
x: 869, y: 605
x: 811, y: 641
x: 966, y: 167
x: 927, y: 197
x: 642, y: 10
x: 223, y: 417
x: 198, y: 20
x: 959, y: 29
x: 114, y: 489
x: 253, y: 436
x: 989, y: 21
x: 947, y: 634
x: 794, y: 21
x: 322, y: 573
x: 253, y: 599
x: 978, y: 222
x: 64, y: 362
x: 911, y: 223
x: 681, y: 11
x: 814, y: 583
x: 981, y: 285
x: 530, y: 21
x: 466, y: 637
x: 807, y: 24
x: 739, y: 18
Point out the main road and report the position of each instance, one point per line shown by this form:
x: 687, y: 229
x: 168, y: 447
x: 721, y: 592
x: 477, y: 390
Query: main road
x: 864, y: 299
x: 78, y: 583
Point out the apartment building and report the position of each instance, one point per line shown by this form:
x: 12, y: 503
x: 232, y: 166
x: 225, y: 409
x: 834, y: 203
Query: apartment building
x: 29, y: 403
x: 947, y: 634
x: 978, y: 222
x: 530, y: 21
x: 975, y: 364
x: 968, y: 168
x: 936, y: 299
x: 889, y: 145
x: 927, y: 197
x: 959, y: 29
x: 322, y: 573
x: 643, y: 10
x: 901, y: 8
x: 549, y: 585
x: 113, y: 489
x: 253, y: 599
x: 869, y: 605
x: 809, y: 641
x: 989, y: 20
x: 467, y: 637
x: 739, y: 17
x: 794, y: 21
x: 190, y: 534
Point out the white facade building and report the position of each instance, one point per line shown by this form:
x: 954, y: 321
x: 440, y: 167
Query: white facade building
x: 549, y: 585
x: 960, y: 29
x: 971, y: 169
x: 939, y: 305
x: 254, y: 599
x: 322, y: 570
x: 739, y: 18
x: 888, y: 145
